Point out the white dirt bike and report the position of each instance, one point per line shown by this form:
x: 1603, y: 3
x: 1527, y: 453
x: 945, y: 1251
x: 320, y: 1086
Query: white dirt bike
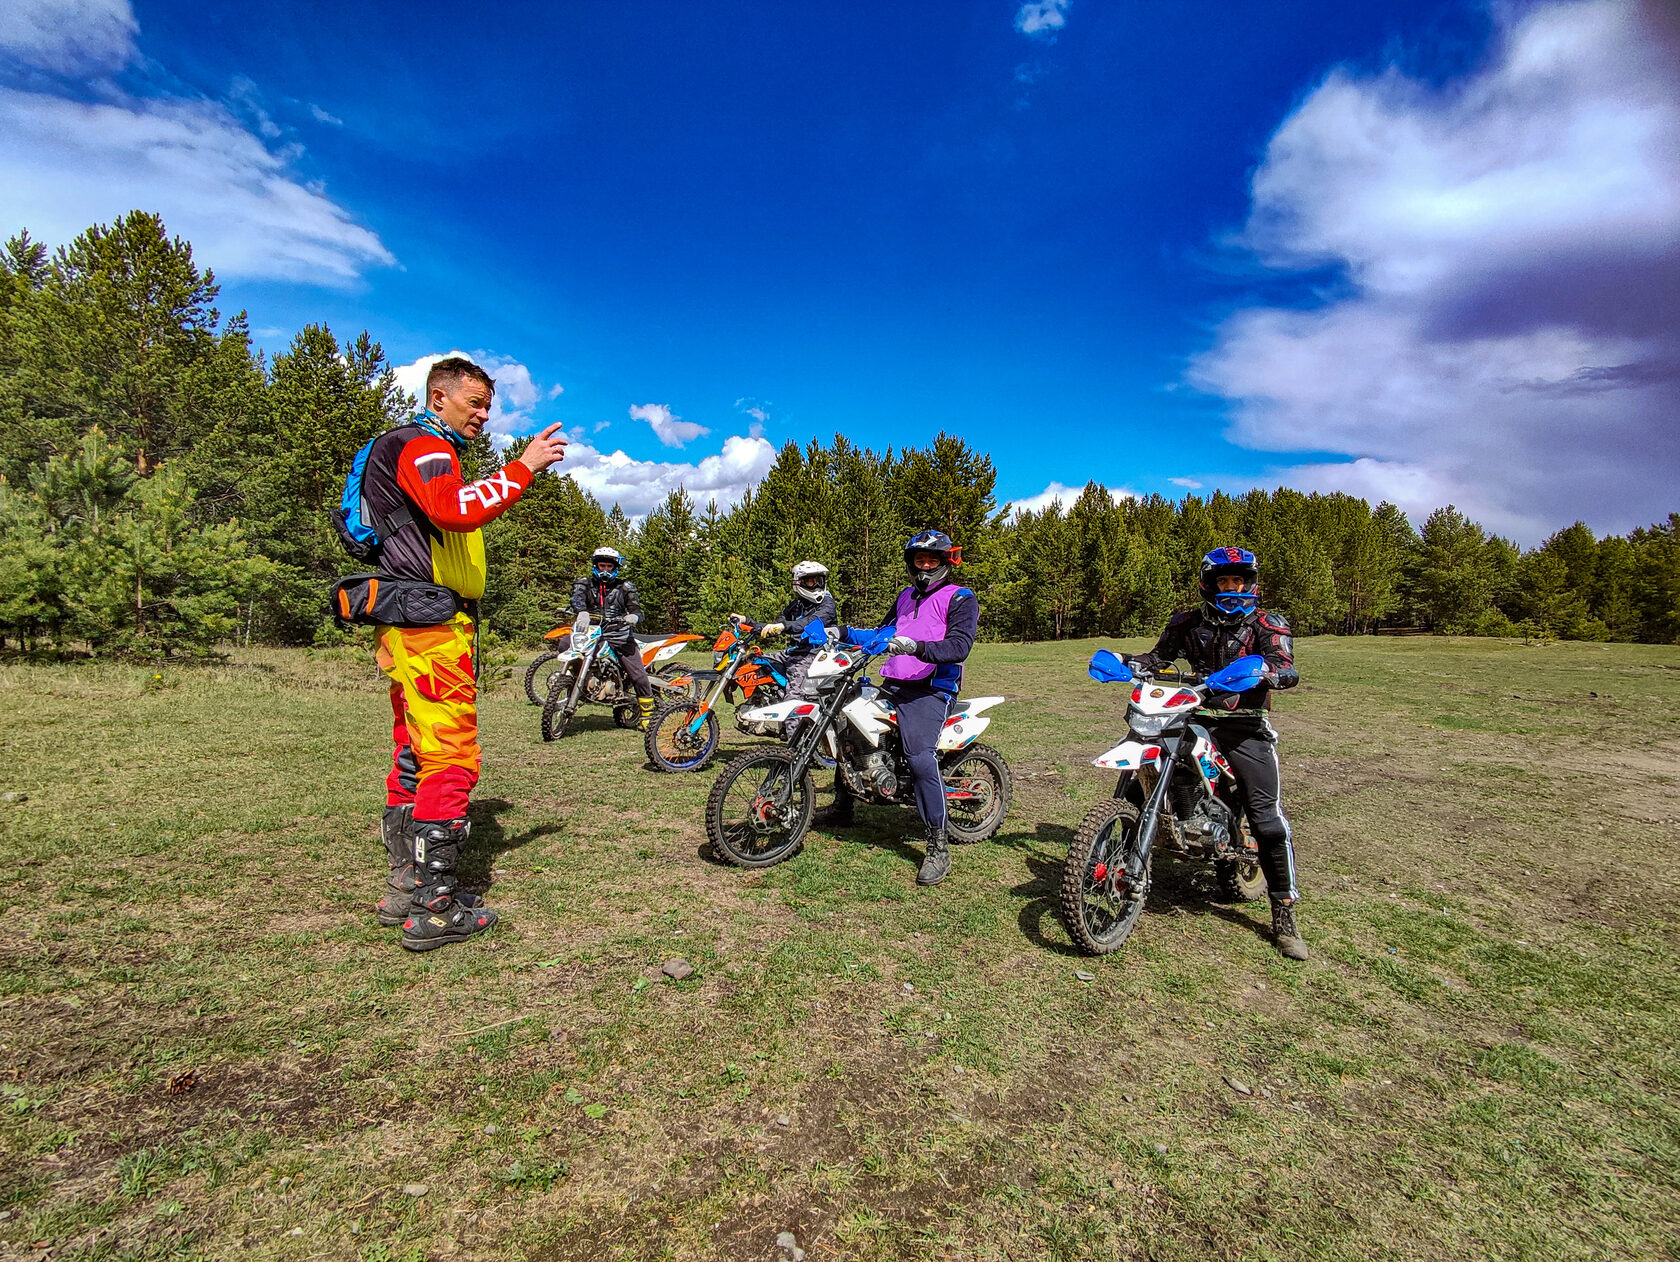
x: 760, y: 806
x: 589, y: 670
x: 1172, y: 795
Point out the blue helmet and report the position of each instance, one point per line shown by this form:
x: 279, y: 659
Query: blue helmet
x: 939, y: 543
x: 1229, y: 608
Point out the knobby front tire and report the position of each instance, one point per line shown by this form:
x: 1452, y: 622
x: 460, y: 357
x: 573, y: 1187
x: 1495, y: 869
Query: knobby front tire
x: 1099, y: 906
x: 757, y: 813
x: 978, y: 788
x: 554, y: 716
x: 672, y: 747
x: 531, y: 671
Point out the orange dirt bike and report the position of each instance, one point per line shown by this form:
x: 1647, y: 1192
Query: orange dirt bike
x: 589, y: 670
x: 683, y: 734
x: 669, y: 680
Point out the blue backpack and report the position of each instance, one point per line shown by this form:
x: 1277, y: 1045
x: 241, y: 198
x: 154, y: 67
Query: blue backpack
x: 358, y: 530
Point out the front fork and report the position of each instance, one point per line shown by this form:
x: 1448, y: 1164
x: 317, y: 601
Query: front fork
x: 1149, y: 821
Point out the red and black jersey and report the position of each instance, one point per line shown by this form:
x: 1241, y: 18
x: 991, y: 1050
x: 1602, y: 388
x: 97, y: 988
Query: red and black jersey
x: 413, y: 481
x: 1210, y: 646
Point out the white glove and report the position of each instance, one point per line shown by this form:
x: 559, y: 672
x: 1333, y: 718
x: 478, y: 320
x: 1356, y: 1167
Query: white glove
x: 631, y: 619
x: 902, y: 644
x: 581, y: 622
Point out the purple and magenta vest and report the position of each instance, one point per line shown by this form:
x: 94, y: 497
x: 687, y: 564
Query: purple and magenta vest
x: 923, y: 619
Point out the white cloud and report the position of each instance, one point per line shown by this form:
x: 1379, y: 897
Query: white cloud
x: 204, y: 166
x: 516, y: 390
x: 754, y: 408
x: 1060, y: 493
x: 672, y: 430
x: 556, y: 390
x: 69, y: 37
x: 321, y: 116
x: 639, y: 485
x: 1042, y: 17
x: 1189, y: 484
x: 1506, y: 340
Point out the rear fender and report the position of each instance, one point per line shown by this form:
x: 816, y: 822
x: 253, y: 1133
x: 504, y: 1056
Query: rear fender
x: 961, y: 730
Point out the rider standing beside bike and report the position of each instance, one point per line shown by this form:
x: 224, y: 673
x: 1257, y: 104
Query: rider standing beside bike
x: 811, y: 603
x: 929, y: 637
x: 1230, y: 624
x: 606, y: 595
x: 413, y: 483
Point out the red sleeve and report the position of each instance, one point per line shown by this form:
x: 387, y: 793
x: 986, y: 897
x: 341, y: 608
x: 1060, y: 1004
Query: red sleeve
x: 430, y: 474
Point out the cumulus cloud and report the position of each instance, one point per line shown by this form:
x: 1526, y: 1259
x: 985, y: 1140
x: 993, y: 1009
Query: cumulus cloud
x: 1506, y: 338
x: 205, y: 166
x: 638, y: 486
x: 672, y: 430
x: 68, y: 36
x: 1042, y: 17
x: 1058, y: 493
x: 517, y: 391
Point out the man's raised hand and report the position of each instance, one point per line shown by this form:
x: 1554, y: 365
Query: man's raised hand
x: 548, y: 447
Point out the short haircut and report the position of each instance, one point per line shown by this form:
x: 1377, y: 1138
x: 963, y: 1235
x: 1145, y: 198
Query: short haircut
x: 449, y: 373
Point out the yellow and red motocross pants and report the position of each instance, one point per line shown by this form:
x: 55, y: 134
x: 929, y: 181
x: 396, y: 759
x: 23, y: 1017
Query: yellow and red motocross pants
x: 434, y: 711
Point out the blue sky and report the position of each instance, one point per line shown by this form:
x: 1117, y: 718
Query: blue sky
x: 1409, y: 250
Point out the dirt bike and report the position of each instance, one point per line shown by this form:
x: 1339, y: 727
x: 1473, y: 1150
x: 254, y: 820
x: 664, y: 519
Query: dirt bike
x: 1172, y: 796
x: 589, y: 670
x: 760, y: 806
x: 669, y: 680
x: 683, y: 734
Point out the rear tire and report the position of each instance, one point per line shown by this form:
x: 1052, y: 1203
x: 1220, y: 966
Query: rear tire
x: 627, y: 714
x: 757, y: 814
x: 671, y: 746
x: 554, y: 716
x: 1240, y: 881
x: 671, y: 671
x: 1098, y: 908
x: 542, y: 659
x: 982, y: 776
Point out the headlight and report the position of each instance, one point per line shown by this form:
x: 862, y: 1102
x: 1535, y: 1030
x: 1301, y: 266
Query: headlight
x: 1149, y: 726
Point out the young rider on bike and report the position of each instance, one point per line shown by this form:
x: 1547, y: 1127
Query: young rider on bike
x: 1230, y: 624
x: 811, y: 603
x: 929, y: 636
x: 610, y: 598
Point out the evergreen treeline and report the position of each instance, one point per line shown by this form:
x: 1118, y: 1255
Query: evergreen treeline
x: 163, y: 486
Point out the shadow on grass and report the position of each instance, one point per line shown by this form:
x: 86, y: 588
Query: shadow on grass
x: 1043, y: 850
x: 490, y: 840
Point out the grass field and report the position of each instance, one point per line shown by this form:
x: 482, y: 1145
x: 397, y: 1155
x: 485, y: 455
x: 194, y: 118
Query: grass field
x: 209, y: 1049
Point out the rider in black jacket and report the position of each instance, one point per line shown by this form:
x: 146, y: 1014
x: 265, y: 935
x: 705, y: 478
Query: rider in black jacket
x: 1230, y: 624
x: 812, y: 602
x: 610, y: 598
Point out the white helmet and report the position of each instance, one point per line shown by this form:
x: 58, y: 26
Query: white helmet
x: 605, y: 553
x: 810, y: 580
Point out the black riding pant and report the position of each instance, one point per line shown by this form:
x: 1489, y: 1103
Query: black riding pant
x: 630, y: 658
x: 1250, y: 747
x: 921, y: 714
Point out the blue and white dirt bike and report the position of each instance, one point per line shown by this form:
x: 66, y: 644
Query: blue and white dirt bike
x: 1174, y: 795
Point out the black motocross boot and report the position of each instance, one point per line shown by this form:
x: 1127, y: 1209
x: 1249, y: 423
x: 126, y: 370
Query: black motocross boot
x: 839, y: 813
x: 397, y: 828
x: 936, y: 864
x: 1284, y: 932
x: 438, y: 915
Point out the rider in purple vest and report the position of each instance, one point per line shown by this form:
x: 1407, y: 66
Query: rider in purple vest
x: 931, y: 632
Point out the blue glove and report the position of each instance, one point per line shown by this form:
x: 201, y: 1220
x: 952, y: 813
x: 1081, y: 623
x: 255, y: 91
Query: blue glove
x: 816, y: 634
x: 871, y: 642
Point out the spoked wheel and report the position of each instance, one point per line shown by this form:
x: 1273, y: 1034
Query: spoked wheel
x: 554, y: 715
x: 1100, y: 906
x: 978, y: 787
x: 758, y: 813
x: 669, y: 687
x: 531, y: 673
x: 1240, y: 880
x: 674, y: 743
x: 627, y: 714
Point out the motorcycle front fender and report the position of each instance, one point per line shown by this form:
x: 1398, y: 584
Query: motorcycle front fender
x: 1129, y: 756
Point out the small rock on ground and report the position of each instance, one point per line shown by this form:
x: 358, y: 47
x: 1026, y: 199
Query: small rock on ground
x: 1083, y: 976
x: 677, y: 969
x: 1160, y: 1149
x: 1241, y: 1088
x: 416, y: 1190
x: 14, y: 797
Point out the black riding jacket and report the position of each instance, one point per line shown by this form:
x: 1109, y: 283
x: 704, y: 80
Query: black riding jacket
x: 801, y: 613
x: 606, y: 598
x: 1210, y: 646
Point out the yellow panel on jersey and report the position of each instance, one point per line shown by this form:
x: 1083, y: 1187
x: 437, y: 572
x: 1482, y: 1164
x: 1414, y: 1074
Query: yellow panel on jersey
x: 458, y: 562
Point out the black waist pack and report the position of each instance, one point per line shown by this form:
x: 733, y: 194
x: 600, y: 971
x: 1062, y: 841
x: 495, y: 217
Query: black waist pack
x: 379, y: 600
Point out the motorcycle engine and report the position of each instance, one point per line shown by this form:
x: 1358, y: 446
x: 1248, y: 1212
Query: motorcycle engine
x: 601, y: 689
x: 1208, y: 826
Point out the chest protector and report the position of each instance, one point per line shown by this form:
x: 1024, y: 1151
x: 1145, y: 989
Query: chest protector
x: 920, y: 618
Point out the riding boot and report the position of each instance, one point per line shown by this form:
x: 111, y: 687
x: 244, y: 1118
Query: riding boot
x: 936, y: 864
x: 837, y: 814
x: 438, y: 915
x: 644, y: 711
x: 1284, y: 932
x: 398, y: 830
